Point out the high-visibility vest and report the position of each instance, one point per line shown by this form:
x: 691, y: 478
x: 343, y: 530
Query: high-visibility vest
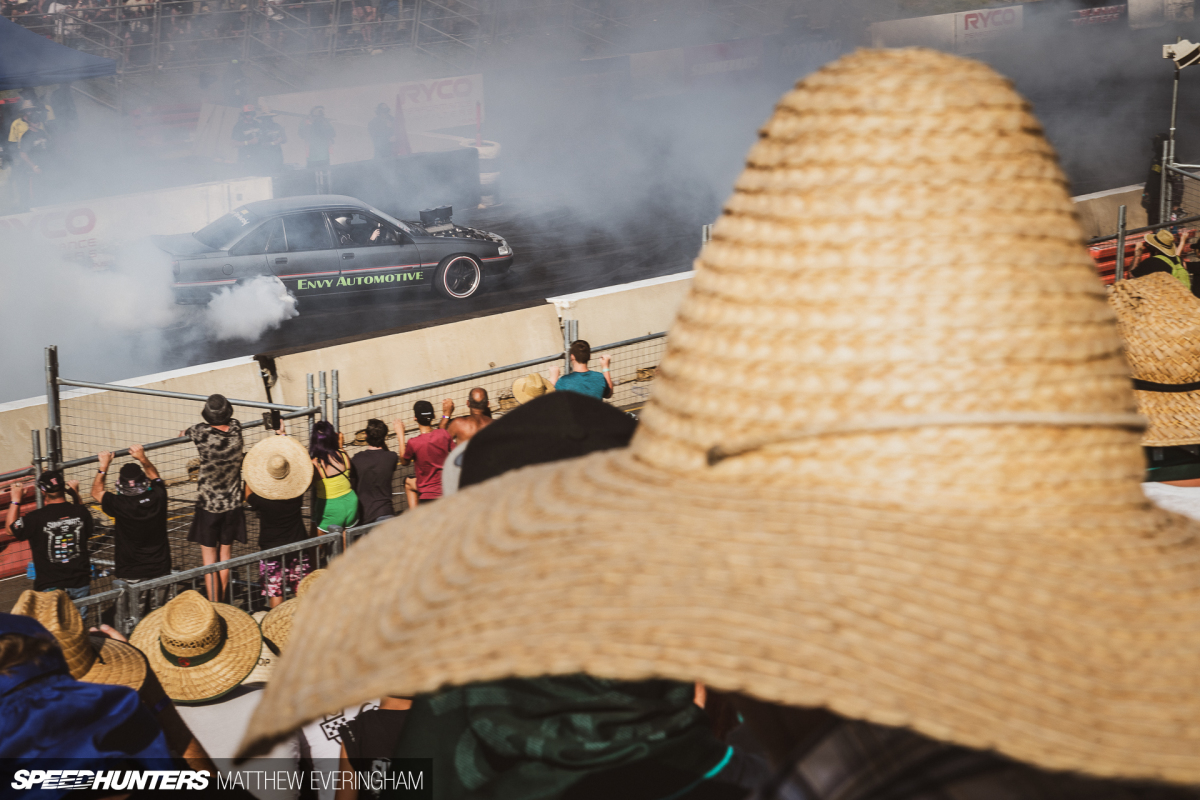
x: 1177, y: 269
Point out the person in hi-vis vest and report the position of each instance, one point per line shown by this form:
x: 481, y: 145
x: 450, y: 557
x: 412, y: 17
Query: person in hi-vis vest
x: 1164, y: 255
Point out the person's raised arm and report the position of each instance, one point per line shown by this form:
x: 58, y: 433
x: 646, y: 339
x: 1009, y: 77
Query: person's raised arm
x: 105, y: 460
x: 401, y: 441
x: 139, y: 452
x: 15, y: 491
x: 555, y: 372
x: 73, y: 490
x: 608, y: 389
x: 1183, y: 237
x: 447, y: 410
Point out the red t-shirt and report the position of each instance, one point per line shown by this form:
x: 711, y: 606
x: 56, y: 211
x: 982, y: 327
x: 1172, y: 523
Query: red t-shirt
x: 429, y: 451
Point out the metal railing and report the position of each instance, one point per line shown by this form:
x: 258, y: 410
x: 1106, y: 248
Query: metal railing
x: 127, y: 603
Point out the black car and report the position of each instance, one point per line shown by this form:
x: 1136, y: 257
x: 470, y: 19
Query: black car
x: 329, y: 244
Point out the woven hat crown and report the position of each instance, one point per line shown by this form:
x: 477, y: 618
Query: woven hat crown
x: 55, y: 611
x: 901, y: 245
x: 190, y: 627
x: 278, y: 467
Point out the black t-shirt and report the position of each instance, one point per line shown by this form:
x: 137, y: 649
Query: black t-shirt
x: 370, y: 739
x: 143, y: 550
x: 280, y: 522
x: 58, y: 539
x: 375, y: 469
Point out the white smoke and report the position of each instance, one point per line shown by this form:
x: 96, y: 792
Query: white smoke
x: 250, y: 309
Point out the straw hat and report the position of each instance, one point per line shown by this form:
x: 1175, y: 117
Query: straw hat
x: 900, y: 482
x: 1159, y: 320
x: 530, y: 386
x: 1162, y: 240
x: 90, y: 657
x: 277, y: 468
x: 198, y: 649
x: 277, y: 624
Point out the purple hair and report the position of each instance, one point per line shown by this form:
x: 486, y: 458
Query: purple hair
x: 323, y: 445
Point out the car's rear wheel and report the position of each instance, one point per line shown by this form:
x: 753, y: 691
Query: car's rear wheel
x: 458, y: 277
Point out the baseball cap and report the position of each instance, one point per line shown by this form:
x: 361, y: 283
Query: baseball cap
x: 423, y: 411
x: 132, y: 480
x: 51, y: 481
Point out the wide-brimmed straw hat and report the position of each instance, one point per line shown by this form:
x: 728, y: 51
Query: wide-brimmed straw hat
x: 277, y: 468
x: 277, y: 624
x: 900, y: 482
x: 527, y: 387
x: 1159, y: 319
x: 198, y: 649
x: 94, y: 658
x: 1162, y: 240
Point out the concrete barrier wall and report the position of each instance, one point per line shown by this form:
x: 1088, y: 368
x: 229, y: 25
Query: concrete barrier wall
x: 1098, y: 211
x: 104, y: 420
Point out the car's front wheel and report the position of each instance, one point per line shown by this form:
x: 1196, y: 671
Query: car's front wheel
x: 458, y: 277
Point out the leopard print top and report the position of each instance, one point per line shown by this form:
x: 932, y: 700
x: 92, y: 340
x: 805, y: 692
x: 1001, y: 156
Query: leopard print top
x: 220, y: 466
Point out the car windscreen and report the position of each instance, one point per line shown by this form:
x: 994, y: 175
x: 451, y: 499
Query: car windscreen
x: 389, y: 218
x: 225, y: 230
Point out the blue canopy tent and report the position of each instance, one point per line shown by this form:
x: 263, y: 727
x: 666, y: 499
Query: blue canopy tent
x: 27, y: 59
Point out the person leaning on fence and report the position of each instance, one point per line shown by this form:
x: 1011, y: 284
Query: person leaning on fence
x: 479, y: 416
x: 277, y: 472
x: 375, y: 467
x: 428, y: 449
x: 139, y: 512
x: 1165, y: 255
x: 335, y: 502
x: 219, y: 518
x: 829, y: 549
x: 582, y: 380
x: 58, y: 535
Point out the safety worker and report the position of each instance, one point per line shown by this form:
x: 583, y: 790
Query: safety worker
x: 247, y: 138
x: 319, y: 133
x: 271, y: 137
x: 1164, y: 256
x: 382, y: 130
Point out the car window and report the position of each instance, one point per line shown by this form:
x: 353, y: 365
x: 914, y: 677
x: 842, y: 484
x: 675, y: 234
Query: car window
x: 307, y: 232
x: 226, y: 229
x: 356, y: 229
x: 267, y: 239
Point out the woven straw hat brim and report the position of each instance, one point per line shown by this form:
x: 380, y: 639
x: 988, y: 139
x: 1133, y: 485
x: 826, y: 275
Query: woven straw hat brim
x: 262, y: 483
x: 1054, y: 640
x: 1159, y: 320
x: 899, y: 481
x: 523, y: 392
x: 210, y: 680
x: 277, y: 624
x: 116, y: 663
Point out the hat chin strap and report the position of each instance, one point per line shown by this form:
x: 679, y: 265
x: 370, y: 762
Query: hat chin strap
x: 1063, y: 419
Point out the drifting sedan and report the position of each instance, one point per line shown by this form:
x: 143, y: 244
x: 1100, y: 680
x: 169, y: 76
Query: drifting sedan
x: 332, y: 244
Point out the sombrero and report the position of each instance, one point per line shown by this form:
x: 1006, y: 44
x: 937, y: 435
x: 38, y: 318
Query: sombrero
x: 898, y: 482
x: 93, y: 658
x: 1159, y: 319
x: 530, y: 386
x: 198, y: 649
x: 277, y: 468
x: 277, y: 624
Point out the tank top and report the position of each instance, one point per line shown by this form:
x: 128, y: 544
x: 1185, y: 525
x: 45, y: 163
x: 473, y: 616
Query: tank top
x: 337, y: 485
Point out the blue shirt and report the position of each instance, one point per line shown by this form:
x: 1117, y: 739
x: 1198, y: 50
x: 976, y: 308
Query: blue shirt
x: 590, y: 383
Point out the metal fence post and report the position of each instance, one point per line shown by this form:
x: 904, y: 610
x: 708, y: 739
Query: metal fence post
x: 570, y: 334
x: 1119, y: 275
x: 336, y: 11
x: 416, y: 28
x: 36, y: 435
x: 123, y: 615
x: 1164, y: 201
x: 324, y: 398
x: 310, y: 401
x: 333, y: 401
x: 53, y: 410
x: 335, y: 546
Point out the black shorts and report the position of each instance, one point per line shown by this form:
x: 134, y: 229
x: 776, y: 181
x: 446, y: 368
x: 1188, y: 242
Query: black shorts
x: 210, y: 529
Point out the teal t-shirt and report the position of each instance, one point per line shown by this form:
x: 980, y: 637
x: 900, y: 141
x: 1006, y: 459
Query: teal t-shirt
x: 590, y: 383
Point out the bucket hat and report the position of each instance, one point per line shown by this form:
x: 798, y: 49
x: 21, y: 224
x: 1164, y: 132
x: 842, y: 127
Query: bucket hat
x: 901, y: 483
x: 530, y: 386
x: 277, y: 468
x: 1163, y: 241
x: 217, y: 410
x: 1159, y: 319
x: 277, y: 624
x: 90, y: 657
x: 198, y: 649
x: 132, y: 480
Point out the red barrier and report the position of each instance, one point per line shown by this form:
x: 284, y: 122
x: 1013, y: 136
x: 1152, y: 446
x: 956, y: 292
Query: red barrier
x: 1105, y: 254
x: 14, y: 555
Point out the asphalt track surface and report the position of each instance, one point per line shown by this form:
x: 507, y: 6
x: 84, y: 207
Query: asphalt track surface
x: 555, y: 255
